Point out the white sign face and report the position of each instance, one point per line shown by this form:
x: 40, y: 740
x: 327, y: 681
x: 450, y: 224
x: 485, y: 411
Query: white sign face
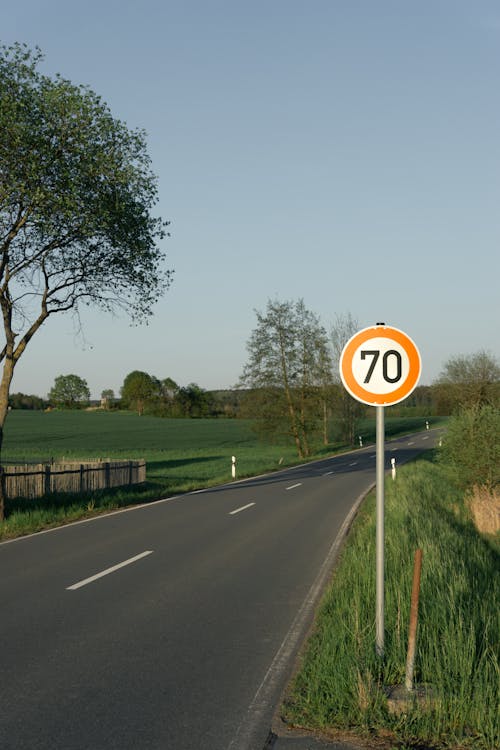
x: 380, y: 366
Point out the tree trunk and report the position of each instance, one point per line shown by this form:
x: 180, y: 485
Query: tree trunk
x: 2, y: 483
x: 293, y: 424
x: 289, y: 399
x: 8, y: 372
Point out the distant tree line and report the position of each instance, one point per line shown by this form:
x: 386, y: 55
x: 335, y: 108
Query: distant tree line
x: 25, y: 401
x: 140, y: 392
x: 147, y: 394
x: 290, y: 385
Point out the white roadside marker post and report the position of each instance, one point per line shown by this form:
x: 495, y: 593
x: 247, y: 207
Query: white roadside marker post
x: 233, y: 467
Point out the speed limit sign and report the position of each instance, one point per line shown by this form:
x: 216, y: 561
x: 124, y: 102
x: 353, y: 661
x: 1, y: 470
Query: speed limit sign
x: 380, y: 366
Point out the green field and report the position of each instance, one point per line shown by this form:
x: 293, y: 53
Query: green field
x: 193, y: 451
x: 181, y: 455
x: 37, y: 435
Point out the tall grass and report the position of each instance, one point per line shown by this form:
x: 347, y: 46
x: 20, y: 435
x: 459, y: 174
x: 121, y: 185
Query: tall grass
x: 342, y: 683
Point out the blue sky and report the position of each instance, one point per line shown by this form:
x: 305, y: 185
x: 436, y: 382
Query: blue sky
x: 346, y: 152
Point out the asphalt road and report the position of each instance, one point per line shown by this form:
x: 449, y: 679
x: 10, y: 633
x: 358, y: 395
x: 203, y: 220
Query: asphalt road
x: 173, y: 626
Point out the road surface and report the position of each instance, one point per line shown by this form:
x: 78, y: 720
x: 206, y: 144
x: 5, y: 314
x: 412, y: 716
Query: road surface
x: 173, y: 626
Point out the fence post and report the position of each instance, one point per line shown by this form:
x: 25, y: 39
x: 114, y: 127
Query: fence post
x: 82, y: 471
x: 2, y: 493
x: 412, y: 630
x: 107, y: 475
x: 46, y: 480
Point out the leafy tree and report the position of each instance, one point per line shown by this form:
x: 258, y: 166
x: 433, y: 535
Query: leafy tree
x: 227, y: 402
x: 422, y: 400
x: 169, y: 388
x: 288, y: 364
x: 138, y: 390
x: 69, y: 391
x: 76, y: 200
x: 107, y: 397
x: 468, y: 381
x: 194, y: 401
x: 167, y: 398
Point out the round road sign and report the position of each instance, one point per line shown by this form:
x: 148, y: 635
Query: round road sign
x: 380, y: 366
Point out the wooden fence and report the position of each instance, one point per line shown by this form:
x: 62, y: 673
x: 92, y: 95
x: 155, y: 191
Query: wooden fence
x: 37, y: 480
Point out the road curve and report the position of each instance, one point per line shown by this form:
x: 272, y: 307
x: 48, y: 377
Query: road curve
x: 173, y: 626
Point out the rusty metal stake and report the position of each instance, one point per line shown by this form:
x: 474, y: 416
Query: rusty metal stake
x: 412, y: 630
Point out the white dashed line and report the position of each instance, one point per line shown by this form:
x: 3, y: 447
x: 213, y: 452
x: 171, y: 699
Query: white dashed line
x: 293, y: 486
x: 243, y: 507
x: 108, y: 571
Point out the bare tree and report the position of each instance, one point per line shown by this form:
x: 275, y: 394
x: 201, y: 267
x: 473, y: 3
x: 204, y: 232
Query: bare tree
x: 342, y: 329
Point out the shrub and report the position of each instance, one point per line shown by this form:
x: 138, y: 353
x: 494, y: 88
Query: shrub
x: 471, y: 448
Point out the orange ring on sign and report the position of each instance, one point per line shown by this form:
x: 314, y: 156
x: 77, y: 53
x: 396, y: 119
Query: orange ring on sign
x: 357, y: 390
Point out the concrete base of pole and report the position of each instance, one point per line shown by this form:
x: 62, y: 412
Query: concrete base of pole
x: 402, y: 701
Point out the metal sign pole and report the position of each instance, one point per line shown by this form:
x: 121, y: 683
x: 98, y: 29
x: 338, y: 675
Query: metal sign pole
x: 380, y: 460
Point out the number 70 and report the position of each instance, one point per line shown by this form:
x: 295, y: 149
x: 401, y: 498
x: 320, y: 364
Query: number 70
x: 387, y: 362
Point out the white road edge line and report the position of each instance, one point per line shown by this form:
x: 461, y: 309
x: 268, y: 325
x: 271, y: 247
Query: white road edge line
x: 244, y: 738
x: 108, y: 571
x: 243, y: 507
x: 293, y: 486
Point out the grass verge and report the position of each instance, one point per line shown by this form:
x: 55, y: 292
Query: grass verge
x: 341, y: 683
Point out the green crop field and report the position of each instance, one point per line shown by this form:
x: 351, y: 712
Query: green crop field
x: 41, y: 436
x: 90, y: 434
x: 181, y: 455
